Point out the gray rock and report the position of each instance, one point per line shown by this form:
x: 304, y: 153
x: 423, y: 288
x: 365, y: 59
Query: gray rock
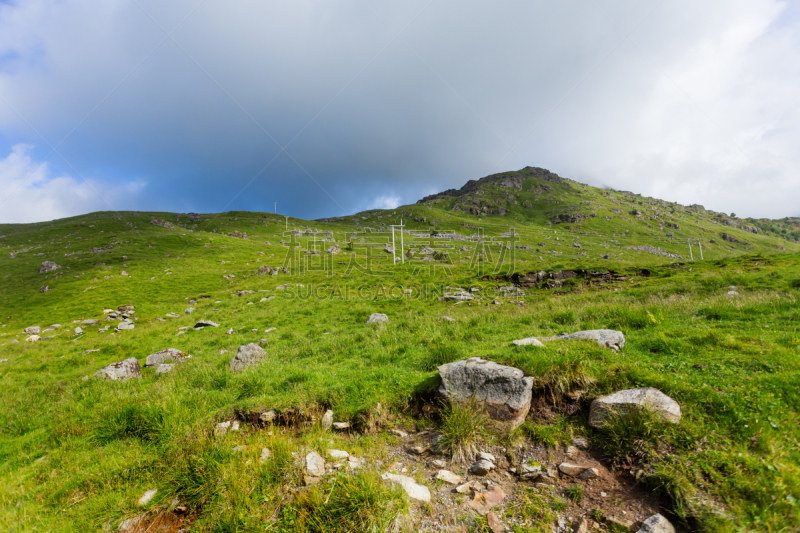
x: 375, y: 318
x: 327, y: 419
x: 164, y: 369
x: 171, y: 355
x: 414, y: 490
x: 121, y: 370
x: 78, y: 330
x: 625, y: 401
x: 529, y: 341
x: 124, y: 325
x: 205, y: 323
x: 190, y: 310
x: 315, y: 465
x: 32, y: 330
x: 607, y: 338
x: 48, y: 266
x: 503, y: 390
x: 334, y: 249
x: 88, y: 322
x: 146, y: 497
x: 247, y: 356
x: 448, y: 477
x: 657, y: 524
x: 481, y: 467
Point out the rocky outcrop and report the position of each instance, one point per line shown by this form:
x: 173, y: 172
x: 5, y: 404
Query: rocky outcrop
x: 607, y: 338
x: 622, y: 403
x: 247, y: 356
x: 503, y: 391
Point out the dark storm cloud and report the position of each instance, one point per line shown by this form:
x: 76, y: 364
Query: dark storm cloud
x: 328, y: 108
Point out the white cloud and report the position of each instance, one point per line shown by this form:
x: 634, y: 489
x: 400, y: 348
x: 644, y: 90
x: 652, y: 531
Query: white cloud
x: 385, y: 202
x: 30, y: 192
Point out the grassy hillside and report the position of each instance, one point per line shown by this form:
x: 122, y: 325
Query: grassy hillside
x: 76, y: 455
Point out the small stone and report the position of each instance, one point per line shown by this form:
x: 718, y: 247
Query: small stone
x: 589, y: 473
x: 164, y: 368
x: 486, y: 457
x: 78, y: 330
x: 620, y: 524
x: 146, y: 497
x: 327, y: 419
x: 230, y: 332
x: 572, y: 451
x: 341, y: 426
x: 399, y: 433
x: 414, y: 490
x: 448, y: 477
x: 530, y: 341
x: 657, y: 524
x: 437, y: 463
x: 265, y: 455
x: 338, y: 454
x: 494, y: 523
x: 375, y: 318
x: 581, y: 442
x: 485, y: 500
x: 419, y: 450
x: 481, y: 467
x: 315, y: 465
x: 570, y: 469
x: 189, y: 310
x: 268, y: 416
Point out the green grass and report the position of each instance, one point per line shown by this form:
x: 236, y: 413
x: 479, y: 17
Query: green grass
x: 76, y: 455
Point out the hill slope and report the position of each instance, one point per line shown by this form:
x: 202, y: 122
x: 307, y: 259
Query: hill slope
x: 77, y: 454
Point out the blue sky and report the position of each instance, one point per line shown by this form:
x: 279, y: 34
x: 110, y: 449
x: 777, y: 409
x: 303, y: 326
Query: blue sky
x: 330, y: 108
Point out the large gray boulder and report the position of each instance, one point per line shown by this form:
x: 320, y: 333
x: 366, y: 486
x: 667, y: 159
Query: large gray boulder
x: 170, y: 355
x: 657, y: 524
x: 625, y: 401
x: 121, y: 370
x: 504, y: 391
x: 48, y: 266
x: 375, y: 318
x: 608, y: 338
x: 248, y: 355
x: 32, y: 330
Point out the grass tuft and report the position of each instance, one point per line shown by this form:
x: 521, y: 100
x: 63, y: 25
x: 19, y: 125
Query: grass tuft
x: 464, y: 428
x: 129, y: 422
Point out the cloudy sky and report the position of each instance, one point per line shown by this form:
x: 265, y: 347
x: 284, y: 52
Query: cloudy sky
x: 332, y: 107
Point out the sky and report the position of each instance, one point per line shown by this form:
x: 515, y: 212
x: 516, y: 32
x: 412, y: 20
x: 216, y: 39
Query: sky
x: 329, y: 108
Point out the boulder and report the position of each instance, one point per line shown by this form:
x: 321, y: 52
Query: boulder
x: 171, y: 355
x: 625, y: 401
x: 530, y: 341
x: 414, y: 490
x: 32, y: 330
x: 48, y: 266
x: 503, y: 391
x: 334, y: 249
x: 375, y: 318
x: 121, y: 370
x: 656, y: 524
x: 607, y: 338
x: 205, y: 323
x: 247, y: 356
